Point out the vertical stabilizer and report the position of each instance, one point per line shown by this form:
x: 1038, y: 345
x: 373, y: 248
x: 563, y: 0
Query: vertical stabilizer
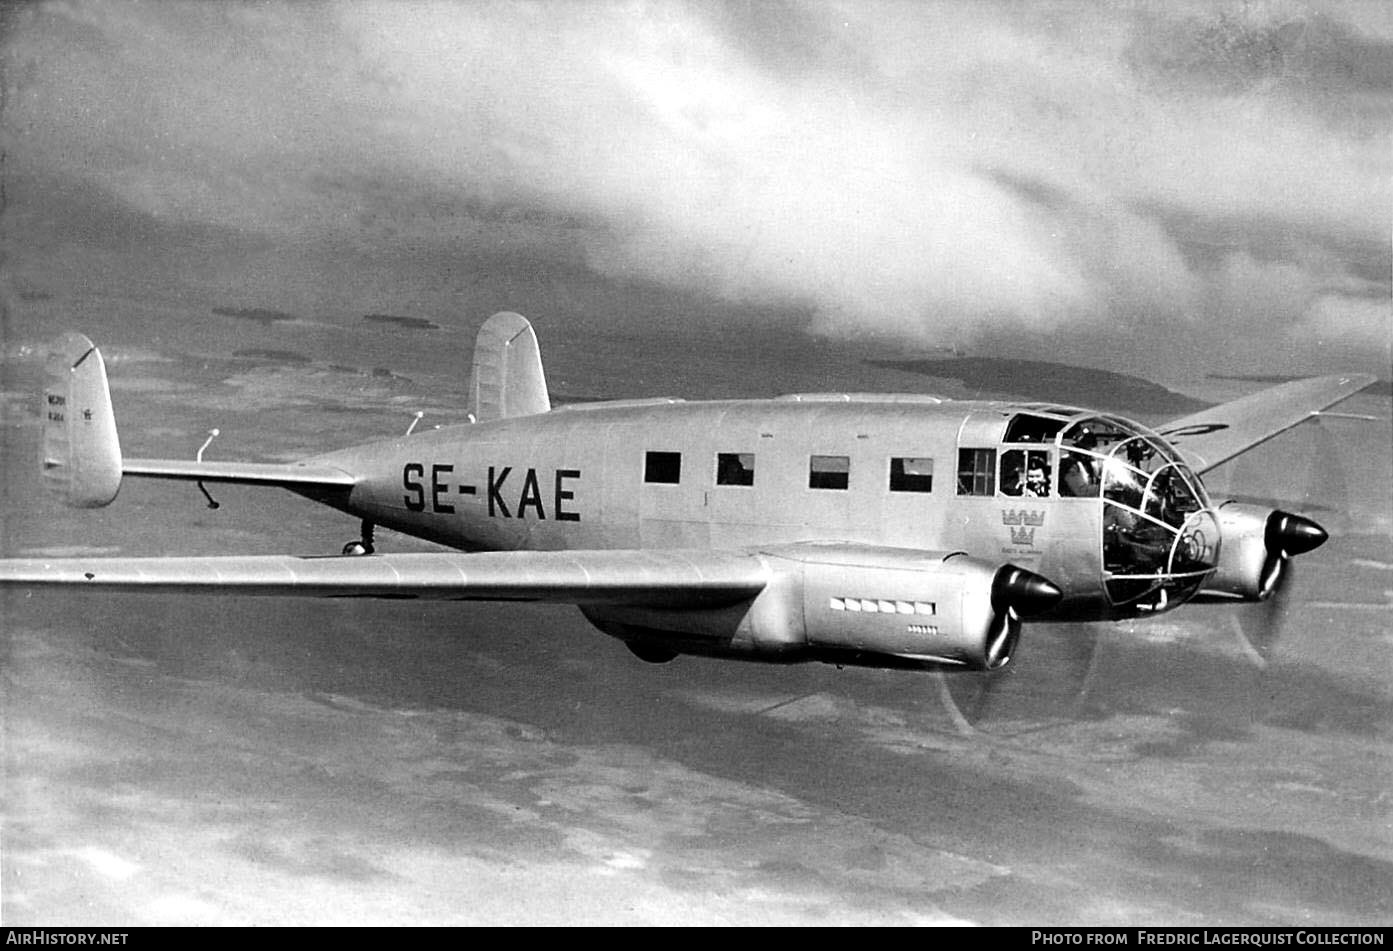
x: 81, y: 456
x: 507, y: 379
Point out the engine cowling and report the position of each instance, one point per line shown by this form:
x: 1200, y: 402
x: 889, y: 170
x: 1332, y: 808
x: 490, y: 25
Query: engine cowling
x: 1257, y: 545
x: 857, y: 605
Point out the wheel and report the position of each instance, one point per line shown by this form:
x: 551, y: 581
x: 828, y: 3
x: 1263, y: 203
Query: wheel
x: 357, y: 548
x: 652, y: 653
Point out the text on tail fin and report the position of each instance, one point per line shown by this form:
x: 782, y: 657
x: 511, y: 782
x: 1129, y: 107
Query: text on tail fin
x: 81, y: 457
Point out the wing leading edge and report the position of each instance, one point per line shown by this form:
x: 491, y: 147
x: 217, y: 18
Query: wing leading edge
x: 672, y: 579
x: 1213, y: 436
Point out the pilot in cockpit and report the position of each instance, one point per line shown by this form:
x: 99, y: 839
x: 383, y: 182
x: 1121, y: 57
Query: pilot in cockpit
x: 1037, y: 481
x: 1076, y: 474
x: 1076, y: 477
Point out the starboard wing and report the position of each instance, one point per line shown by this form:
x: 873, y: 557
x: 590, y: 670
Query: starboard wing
x: 673, y: 579
x: 1213, y: 436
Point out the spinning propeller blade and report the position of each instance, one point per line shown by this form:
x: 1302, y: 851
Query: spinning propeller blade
x: 1015, y: 592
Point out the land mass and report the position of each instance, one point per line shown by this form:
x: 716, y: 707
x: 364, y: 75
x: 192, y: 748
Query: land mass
x: 275, y: 356
x: 411, y: 323
x: 261, y: 315
x: 1053, y: 382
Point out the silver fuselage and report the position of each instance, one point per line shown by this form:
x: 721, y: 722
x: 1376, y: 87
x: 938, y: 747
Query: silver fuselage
x: 875, y: 470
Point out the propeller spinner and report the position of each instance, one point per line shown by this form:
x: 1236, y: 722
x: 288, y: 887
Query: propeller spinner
x: 1016, y: 592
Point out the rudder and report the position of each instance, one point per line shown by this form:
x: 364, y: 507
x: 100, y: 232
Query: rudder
x: 81, y: 455
x: 507, y: 378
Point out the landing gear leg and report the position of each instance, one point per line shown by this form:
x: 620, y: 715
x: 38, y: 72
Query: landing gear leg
x: 363, y: 545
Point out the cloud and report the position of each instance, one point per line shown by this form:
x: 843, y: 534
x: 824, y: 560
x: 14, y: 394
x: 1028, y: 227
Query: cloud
x: 921, y: 170
x: 1315, y: 299
x: 1350, y: 322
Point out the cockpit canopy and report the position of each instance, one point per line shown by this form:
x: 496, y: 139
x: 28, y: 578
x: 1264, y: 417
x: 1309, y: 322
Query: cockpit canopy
x: 1160, y: 535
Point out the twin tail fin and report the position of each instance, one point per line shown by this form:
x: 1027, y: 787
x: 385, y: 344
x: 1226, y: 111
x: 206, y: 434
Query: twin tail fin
x: 507, y: 378
x: 81, y: 459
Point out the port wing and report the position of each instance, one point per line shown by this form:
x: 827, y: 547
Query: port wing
x: 673, y: 579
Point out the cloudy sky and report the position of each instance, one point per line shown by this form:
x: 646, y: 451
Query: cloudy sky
x: 1208, y: 182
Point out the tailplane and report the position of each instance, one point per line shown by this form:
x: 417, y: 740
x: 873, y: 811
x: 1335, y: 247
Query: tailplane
x: 81, y: 454
x: 507, y: 379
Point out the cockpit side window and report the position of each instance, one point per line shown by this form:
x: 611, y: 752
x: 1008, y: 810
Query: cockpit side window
x: 1094, y: 435
x: 1078, y: 475
x: 1085, y: 446
x: 1025, y: 427
x: 1026, y: 472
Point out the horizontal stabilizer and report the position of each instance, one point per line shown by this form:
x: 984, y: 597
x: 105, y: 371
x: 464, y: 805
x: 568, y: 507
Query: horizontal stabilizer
x: 671, y: 579
x: 81, y: 455
x: 240, y: 473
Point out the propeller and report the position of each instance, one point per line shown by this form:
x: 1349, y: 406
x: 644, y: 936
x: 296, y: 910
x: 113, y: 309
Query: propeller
x: 1258, y: 625
x: 1259, y: 545
x: 1015, y: 593
x: 1052, y: 681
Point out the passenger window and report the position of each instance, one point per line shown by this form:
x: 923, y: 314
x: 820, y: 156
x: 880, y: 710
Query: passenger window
x: 911, y: 474
x: 829, y: 472
x: 735, y: 468
x: 1026, y: 472
x: 663, y: 467
x: 976, y: 471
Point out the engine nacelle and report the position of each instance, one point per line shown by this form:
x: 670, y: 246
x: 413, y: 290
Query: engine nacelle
x: 845, y: 604
x: 937, y: 612
x: 1257, y: 544
x: 1243, y: 552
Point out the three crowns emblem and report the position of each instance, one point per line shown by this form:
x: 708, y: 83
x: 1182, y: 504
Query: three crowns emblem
x: 1023, y: 523
x: 1022, y: 517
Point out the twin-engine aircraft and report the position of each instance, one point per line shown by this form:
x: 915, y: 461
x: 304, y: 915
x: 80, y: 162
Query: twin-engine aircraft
x: 897, y: 531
